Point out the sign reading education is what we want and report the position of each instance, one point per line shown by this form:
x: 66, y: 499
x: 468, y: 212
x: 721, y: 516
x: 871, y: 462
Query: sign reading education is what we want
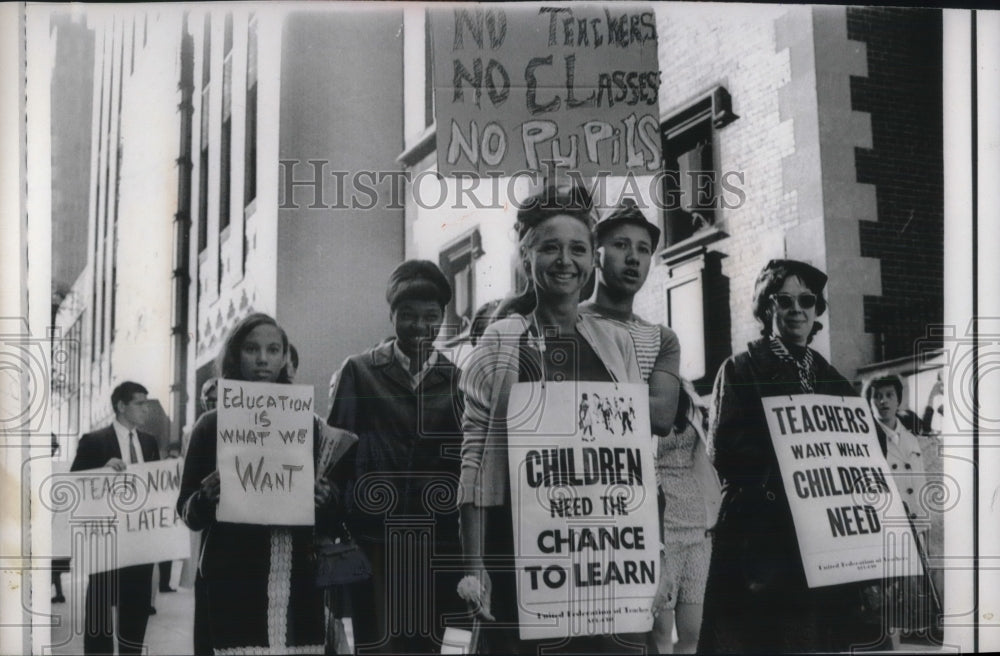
x: 265, y: 453
x: 849, y: 517
x: 584, y: 506
x: 118, y: 519
x: 516, y: 87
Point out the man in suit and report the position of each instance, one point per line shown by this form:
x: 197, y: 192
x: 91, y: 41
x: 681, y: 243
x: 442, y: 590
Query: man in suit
x: 129, y: 588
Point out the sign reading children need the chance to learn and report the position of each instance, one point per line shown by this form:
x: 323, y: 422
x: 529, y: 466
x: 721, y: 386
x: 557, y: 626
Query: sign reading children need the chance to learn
x: 126, y: 518
x: 517, y: 86
x: 265, y: 453
x: 583, y: 496
x: 849, y: 518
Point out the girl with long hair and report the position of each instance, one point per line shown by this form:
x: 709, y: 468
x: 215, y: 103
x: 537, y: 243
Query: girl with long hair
x: 255, y: 590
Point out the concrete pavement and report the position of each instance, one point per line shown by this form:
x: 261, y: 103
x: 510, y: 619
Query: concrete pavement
x: 169, y: 631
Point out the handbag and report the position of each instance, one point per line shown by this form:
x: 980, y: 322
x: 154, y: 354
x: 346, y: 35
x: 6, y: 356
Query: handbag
x: 340, y: 561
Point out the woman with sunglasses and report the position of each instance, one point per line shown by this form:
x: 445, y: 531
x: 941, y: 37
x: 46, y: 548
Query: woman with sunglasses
x: 550, y: 342
x: 756, y: 599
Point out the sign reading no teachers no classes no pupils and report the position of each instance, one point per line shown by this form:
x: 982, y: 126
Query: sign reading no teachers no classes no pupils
x: 516, y: 87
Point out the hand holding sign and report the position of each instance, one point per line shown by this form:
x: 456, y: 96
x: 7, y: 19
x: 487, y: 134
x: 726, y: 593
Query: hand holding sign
x: 210, y: 487
x: 323, y: 492
x: 116, y: 463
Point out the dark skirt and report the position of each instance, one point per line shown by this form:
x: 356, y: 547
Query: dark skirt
x: 260, y: 590
x: 757, y: 600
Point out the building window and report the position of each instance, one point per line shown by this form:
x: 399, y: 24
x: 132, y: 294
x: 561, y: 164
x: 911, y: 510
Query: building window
x: 206, y: 72
x: 66, y: 379
x: 458, y: 262
x: 250, y: 151
x: 684, y: 315
x: 691, y: 183
x: 225, y: 140
x: 697, y: 309
x: 428, y: 73
x: 225, y: 143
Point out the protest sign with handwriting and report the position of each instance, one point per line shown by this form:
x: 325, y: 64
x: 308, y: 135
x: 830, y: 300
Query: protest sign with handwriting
x: 518, y: 86
x: 265, y: 453
x: 128, y: 517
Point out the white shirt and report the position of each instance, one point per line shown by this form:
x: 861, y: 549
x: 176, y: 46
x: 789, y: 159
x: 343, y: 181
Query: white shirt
x: 122, y: 434
x: 404, y: 362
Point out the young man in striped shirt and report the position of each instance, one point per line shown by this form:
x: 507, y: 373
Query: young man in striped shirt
x: 626, y: 240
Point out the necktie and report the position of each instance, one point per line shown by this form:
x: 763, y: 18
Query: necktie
x: 131, y: 448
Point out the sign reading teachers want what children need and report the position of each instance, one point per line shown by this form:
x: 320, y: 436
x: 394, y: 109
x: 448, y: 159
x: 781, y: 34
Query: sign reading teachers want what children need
x: 849, y: 517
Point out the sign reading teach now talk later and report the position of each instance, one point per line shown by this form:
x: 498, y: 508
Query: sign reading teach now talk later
x: 849, y: 517
x: 265, y: 453
x: 117, y: 519
x: 518, y: 86
x: 584, y: 506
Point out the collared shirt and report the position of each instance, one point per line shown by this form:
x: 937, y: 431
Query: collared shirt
x: 122, y: 434
x: 404, y: 361
x: 891, y: 433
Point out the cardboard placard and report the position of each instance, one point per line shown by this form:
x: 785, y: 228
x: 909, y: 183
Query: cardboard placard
x: 517, y: 86
x: 119, y: 518
x: 265, y: 453
x: 583, y: 495
x: 849, y: 517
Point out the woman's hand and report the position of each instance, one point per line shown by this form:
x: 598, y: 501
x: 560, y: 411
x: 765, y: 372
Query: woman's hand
x: 210, y: 487
x: 475, y: 589
x: 323, y: 492
x: 664, y: 599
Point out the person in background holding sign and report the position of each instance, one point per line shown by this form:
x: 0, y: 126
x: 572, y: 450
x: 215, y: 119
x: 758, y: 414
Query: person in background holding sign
x: 399, y: 399
x: 757, y: 599
x: 260, y: 594
x: 128, y: 588
x: 907, y: 456
x: 557, y: 253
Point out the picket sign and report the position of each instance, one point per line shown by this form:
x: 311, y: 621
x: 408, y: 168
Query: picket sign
x: 584, y: 506
x: 849, y: 517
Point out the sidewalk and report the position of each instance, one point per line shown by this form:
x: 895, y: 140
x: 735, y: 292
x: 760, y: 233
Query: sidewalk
x: 170, y: 631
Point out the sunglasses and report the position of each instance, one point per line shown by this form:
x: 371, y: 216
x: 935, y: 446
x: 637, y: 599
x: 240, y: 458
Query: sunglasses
x: 786, y: 301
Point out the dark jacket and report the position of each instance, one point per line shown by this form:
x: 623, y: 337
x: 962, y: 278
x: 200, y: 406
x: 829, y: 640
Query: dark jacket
x: 95, y: 449
x: 757, y: 599
x: 407, y: 458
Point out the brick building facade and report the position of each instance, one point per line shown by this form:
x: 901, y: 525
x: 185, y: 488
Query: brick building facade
x: 822, y: 127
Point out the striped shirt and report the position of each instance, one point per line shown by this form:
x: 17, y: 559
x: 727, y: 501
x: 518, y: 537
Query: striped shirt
x: 656, y: 347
